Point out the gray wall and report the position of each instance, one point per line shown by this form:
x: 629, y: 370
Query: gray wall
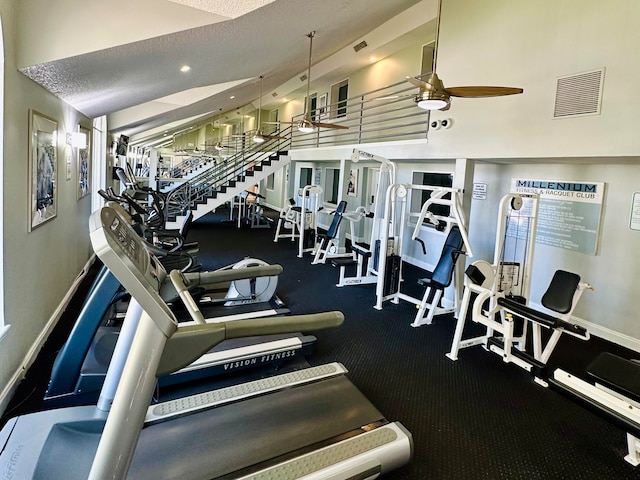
x: 40, y: 266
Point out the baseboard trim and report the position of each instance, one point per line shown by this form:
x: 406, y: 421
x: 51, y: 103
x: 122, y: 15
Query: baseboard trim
x: 16, y: 378
x: 594, y: 329
x: 610, y: 335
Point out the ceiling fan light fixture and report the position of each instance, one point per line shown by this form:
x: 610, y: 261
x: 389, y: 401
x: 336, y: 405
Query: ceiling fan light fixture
x: 258, y: 138
x: 218, y: 147
x: 306, y: 127
x: 432, y: 100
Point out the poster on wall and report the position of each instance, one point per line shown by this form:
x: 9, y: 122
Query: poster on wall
x: 569, y: 214
x: 43, y: 169
x: 352, y: 186
x: 84, y: 166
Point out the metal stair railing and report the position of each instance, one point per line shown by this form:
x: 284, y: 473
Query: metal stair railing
x: 223, y: 175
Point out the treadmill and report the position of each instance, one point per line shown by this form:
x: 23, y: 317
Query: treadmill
x: 81, y: 365
x: 310, y: 424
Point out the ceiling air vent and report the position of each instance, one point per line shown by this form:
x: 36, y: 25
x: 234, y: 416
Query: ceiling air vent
x: 360, y: 46
x: 579, y: 94
x: 274, y: 94
x: 303, y: 77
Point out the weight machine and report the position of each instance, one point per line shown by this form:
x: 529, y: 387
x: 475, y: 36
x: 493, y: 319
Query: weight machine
x: 302, y: 219
x: 366, y: 258
x: 328, y: 244
x: 250, y: 209
x: 504, y: 287
x: 389, y: 281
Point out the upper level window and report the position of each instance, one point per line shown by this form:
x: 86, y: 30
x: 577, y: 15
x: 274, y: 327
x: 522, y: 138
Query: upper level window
x: 339, y: 95
x: 427, y: 58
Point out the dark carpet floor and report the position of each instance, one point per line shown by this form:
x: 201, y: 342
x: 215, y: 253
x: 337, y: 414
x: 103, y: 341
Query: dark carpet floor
x: 476, y: 418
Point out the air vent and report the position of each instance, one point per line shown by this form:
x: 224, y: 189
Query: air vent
x: 360, y: 46
x: 303, y: 77
x: 274, y: 94
x: 579, y: 94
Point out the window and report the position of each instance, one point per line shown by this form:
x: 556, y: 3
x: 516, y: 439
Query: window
x: 273, y: 117
x: 418, y: 197
x: 313, y: 105
x: 306, y: 174
x: 99, y: 161
x: 331, y: 183
x: 427, y: 59
x: 339, y: 95
x: 270, y: 180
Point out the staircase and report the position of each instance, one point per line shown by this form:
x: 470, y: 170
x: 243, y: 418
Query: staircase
x: 224, y: 180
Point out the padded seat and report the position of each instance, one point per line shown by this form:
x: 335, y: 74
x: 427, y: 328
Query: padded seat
x: 617, y: 373
x: 558, y: 297
x: 343, y: 262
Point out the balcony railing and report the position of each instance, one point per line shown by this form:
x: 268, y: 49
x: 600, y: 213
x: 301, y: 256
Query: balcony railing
x: 383, y: 115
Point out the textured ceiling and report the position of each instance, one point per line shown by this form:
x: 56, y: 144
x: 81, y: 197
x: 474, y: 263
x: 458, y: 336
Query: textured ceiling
x: 269, y: 41
x: 225, y: 8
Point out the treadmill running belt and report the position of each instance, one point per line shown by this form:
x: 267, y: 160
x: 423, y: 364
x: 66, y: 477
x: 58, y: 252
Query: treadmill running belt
x: 237, y: 436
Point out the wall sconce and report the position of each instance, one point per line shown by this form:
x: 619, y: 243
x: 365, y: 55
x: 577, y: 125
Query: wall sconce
x: 77, y: 139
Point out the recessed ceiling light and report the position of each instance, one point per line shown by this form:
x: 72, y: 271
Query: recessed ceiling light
x: 232, y: 97
x: 285, y: 99
x: 185, y: 68
x: 372, y: 59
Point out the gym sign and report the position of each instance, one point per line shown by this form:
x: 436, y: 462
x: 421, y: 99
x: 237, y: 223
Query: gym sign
x: 569, y: 214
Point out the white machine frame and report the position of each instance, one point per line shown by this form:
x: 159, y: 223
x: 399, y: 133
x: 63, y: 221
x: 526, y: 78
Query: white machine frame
x: 365, y: 271
x: 610, y: 401
x: 394, y: 231
x: 498, y: 318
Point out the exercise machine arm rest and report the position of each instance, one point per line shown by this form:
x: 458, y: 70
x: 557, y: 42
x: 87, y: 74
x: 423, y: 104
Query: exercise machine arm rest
x: 191, y: 342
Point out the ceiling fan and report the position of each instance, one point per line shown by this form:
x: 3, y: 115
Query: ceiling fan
x: 434, y: 96
x: 307, y: 124
x: 260, y: 137
x: 218, y: 145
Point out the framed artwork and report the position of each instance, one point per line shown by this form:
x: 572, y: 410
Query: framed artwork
x: 352, y: 186
x: 323, y: 111
x: 84, y: 166
x: 43, y: 169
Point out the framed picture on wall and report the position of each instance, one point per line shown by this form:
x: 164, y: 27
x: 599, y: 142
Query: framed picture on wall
x: 352, y: 185
x: 43, y: 169
x: 84, y: 166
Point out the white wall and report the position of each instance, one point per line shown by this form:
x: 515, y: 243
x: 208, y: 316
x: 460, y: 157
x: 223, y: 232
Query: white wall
x: 530, y: 44
x: 40, y: 266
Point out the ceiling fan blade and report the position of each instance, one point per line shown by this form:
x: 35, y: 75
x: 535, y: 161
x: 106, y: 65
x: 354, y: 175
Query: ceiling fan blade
x: 273, y: 137
x: 278, y: 123
x: 479, y: 91
x: 329, y: 125
x: 418, y: 83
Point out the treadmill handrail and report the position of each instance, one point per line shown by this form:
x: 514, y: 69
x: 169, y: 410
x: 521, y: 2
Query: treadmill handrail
x: 190, y: 343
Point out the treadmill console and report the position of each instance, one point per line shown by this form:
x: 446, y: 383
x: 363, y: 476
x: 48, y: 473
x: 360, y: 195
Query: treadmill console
x: 123, y: 252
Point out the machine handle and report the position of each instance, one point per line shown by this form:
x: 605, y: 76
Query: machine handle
x: 179, y: 282
x: 276, y: 325
x: 229, y: 275
x: 190, y: 342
